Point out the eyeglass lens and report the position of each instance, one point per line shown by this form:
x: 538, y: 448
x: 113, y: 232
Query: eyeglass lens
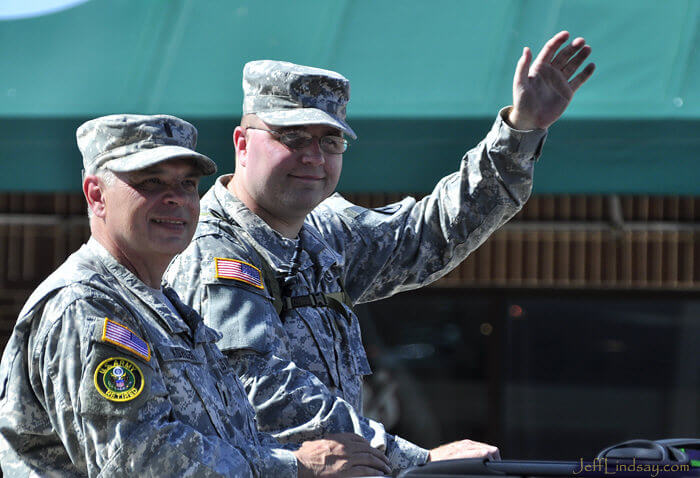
x: 299, y: 140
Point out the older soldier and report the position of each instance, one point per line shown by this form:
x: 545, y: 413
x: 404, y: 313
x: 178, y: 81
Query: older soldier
x: 276, y: 265
x: 107, y: 373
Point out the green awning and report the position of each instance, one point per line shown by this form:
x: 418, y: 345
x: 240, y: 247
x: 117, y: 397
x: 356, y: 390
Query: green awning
x: 427, y: 80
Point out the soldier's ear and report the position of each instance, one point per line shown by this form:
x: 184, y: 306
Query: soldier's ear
x: 94, y: 190
x: 240, y: 142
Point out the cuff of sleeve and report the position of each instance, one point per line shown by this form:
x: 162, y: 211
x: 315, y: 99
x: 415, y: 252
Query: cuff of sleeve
x: 528, y: 142
x: 280, y: 463
x: 402, y: 453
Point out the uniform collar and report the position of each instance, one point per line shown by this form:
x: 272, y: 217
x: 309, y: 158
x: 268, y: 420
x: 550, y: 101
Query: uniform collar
x: 201, y: 333
x: 137, y: 288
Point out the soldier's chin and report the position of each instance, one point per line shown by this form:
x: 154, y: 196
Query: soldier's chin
x: 309, y: 201
x: 174, y: 246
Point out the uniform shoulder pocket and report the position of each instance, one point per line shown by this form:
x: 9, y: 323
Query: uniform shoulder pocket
x: 244, y: 317
x: 118, y: 372
x: 115, y: 384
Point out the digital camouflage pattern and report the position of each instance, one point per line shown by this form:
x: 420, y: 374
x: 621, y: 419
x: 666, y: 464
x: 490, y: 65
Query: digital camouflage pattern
x: 128, y: 142
x: 303, y: 373
x: 191, y: 418
x: 285, y: 94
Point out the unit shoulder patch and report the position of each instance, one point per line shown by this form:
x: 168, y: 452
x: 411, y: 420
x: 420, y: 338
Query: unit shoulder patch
x: 238, y: 270
x: 119, y: 379
x: 121, y: 336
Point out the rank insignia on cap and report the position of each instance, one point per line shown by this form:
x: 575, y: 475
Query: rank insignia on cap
x: 119, y: 379
x: 117, y: 334
x: 238, y: 270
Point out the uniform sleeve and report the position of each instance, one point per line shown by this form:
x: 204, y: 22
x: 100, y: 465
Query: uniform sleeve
x: 132, y: 433
x: 410, y: 244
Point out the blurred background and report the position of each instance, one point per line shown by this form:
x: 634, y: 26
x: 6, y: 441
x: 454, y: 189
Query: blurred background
x: 575, y: 326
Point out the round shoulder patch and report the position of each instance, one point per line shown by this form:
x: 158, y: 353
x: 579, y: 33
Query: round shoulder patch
x: 119, y: 379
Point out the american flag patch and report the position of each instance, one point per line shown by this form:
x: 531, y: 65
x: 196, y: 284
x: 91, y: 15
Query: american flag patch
x: 117, y: 334
x: 238, y: 270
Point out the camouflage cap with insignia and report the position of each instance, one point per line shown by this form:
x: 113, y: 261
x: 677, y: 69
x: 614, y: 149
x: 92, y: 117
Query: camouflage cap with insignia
x: 285, y: 94
x: 128, y: 142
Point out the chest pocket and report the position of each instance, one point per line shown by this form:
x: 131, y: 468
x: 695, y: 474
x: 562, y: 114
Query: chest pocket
x: 238, y: 415
x: 206, y: 393
x: 329, y: 344
x: 311, y: 338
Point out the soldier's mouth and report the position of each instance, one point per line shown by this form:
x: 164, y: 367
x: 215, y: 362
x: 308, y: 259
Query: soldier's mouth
x: 168, y: 221
x: 307, y: 177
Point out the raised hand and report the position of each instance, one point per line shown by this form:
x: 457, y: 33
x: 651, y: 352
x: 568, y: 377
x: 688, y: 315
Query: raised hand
x: 340, y: 455
x: 543, y: 91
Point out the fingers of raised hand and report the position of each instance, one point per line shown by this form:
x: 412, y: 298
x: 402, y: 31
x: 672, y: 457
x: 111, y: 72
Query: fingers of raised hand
x: 565, y: 54
x: 570, y: 68
x: 523, y: 66
x: 551, y: 47
x: 568, y: 59
x: 582, y: 77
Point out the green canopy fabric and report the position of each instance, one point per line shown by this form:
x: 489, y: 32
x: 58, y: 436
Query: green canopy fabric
x: 427, y: 80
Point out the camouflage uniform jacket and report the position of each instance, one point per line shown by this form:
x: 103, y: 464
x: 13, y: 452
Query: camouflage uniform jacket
x: 374, y: 252
x: 179, y: 409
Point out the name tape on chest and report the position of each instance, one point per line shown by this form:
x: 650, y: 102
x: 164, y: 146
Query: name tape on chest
x: 121, y: 336
x: 119, y: 379
x: 238, y: 270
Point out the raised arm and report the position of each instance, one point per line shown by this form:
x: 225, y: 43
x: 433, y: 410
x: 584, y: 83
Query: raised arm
x: 411, y: 244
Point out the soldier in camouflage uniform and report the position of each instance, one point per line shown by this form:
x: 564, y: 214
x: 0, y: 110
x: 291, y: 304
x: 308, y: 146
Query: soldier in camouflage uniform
x: 107, y: 373
x: 276, y: 264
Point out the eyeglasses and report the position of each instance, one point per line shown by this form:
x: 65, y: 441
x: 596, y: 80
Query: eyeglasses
x: 297, y: 139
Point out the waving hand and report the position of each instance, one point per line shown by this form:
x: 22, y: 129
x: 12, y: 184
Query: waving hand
x: 543, y: 90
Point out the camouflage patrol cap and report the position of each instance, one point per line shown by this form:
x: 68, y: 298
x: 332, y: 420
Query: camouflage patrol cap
x: 284, y: 94
x: 127, y: 142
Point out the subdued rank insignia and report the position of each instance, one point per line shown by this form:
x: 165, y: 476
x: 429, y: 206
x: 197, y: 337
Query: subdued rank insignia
x: 354, y: 211
x: 238, y: 270
x: 119, y: 379
x: 117, y: 334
